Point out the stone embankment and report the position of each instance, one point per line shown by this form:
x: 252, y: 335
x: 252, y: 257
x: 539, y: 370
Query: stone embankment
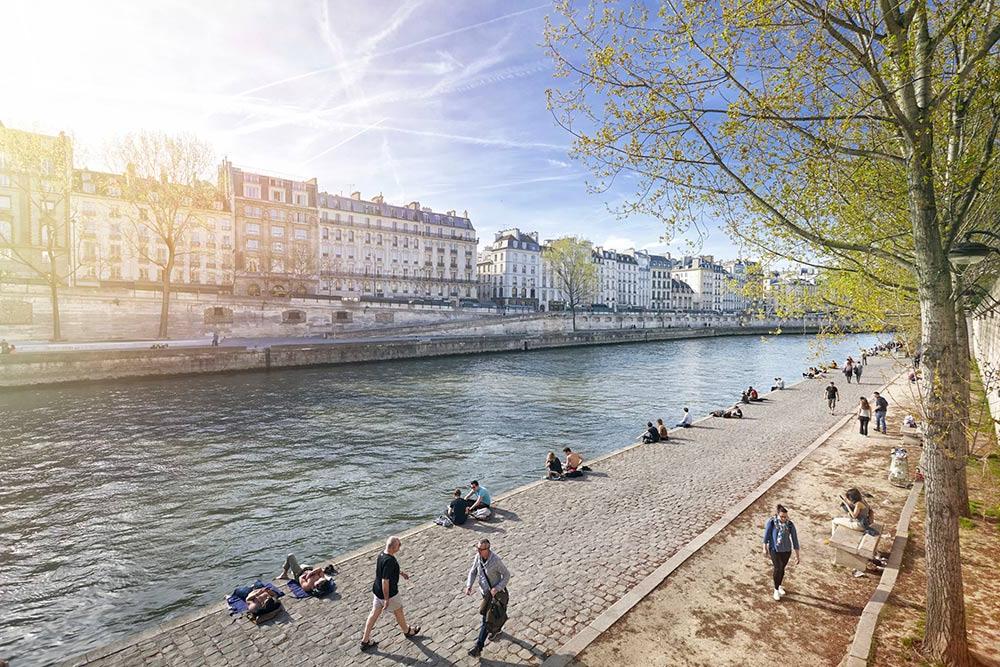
x: 33, y: 368
x: 574, y: 549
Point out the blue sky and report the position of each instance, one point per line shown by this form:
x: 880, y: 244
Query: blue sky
x: 435, y: 100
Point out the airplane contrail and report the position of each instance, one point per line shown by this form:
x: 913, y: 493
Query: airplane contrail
x: 419, y: 42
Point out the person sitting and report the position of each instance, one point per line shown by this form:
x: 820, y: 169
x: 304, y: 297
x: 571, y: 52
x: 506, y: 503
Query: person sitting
x: 662, y: 429
x: 311, y: 579
x: 778, y: 385
x: 574, y: 463
x: 650, y: 435
x: 833, y: 364
x: 754, y: 396
x: 733, y: 413
x: 859, y: 513
x: 553, y: 467
x: 478, y: 498
x: 685, y: 422
x: 718, y: 413
x: 457, y: 510
x: 745, y: 398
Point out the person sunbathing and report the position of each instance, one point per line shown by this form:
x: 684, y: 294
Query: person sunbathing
x: 262, y: 601
x: 310, y: 579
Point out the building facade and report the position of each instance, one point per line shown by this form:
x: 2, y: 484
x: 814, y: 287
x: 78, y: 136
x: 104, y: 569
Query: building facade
x: 276, y: 232
x: 706, y: 278
x: 115, y: 248
x: 510, y: 269
x: 371, y: 249
x: 36, y: 173
x: 661, y: 283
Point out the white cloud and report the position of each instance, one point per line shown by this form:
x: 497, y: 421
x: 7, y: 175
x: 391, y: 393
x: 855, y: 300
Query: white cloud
x: 558, y: 163
x: 618, y: 243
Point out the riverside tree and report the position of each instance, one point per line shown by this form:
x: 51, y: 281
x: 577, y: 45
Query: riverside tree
x: 163, y: 186
x: 573, y: 270
x: 39, y: 241
x: 750, y: 109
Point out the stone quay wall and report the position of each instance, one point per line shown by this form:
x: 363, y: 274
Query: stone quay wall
x: 985, y: 344
x: 34, y: 368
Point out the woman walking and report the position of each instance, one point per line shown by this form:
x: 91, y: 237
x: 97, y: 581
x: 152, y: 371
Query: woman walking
x: 864, y: 415
x: 779, y: 541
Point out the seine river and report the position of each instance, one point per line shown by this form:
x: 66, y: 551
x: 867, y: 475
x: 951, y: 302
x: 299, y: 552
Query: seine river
x: 124, y: 504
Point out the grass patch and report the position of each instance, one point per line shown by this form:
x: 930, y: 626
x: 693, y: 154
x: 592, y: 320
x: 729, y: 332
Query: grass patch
x: 967, y: 524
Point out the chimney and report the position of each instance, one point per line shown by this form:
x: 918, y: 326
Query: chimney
x: 378, y: 198
x: 356, y: 195
x: 415, y: 205
x: 452, y: 213
x: 465, y: 213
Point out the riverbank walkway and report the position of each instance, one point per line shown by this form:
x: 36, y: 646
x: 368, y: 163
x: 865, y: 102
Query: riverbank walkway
x: 574, y: 548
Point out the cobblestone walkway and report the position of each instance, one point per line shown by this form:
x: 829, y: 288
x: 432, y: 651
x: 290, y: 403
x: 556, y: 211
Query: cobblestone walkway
x: 573, y: 549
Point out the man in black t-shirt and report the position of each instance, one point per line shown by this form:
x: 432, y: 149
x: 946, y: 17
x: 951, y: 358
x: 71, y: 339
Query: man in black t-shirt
x: 831, y: 396
x: 458, y: 509
x: 385, y: 594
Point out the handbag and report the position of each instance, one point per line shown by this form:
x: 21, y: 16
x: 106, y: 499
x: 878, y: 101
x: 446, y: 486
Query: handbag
x: 494, y: 607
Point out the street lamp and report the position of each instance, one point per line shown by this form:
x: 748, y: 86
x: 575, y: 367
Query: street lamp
x: 969, y: 252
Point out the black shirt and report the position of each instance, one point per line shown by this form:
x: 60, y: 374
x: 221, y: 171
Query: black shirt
x: 555, y: 465
x: 458, y: 507
x: 831, y: 392
x: 387, y: 567
x: 653, y: 434
x: 881, y: 404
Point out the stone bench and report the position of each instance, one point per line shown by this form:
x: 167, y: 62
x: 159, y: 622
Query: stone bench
x: 853, y: 548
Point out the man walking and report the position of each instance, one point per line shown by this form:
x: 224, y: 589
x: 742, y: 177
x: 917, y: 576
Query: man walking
x: 492, y: 575
x: 857, y: 373
x: 831, y: 396
x: 385, y: 594
x: 881, y: 407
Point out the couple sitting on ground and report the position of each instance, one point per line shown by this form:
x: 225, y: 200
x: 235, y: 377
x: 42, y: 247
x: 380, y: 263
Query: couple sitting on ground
x: 574, y: 465
x: 476, y: 504
x: 732, y: 413
x: 751, y: 396
x: 313, y: 580
x: 658, y: 432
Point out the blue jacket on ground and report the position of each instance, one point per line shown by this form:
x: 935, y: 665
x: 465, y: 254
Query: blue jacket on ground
x: 780, y: 536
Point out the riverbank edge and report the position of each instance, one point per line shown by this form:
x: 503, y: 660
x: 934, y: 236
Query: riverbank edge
x: 569, y: 651
x: 688, y: 549
x: 52, y: 368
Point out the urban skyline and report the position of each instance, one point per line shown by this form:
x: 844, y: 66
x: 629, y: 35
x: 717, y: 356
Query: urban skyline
x: 341, y: 108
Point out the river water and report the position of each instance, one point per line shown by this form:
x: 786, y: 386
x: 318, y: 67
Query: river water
x: 123, y: 504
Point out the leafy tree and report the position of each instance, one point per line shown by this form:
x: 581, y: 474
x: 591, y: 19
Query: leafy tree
x: 40, y: 239
x: 782, y: 114
x: 573, y: 269
x: 163, y: 187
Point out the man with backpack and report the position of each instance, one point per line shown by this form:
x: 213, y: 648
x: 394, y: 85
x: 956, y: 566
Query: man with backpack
x: 492, y: 575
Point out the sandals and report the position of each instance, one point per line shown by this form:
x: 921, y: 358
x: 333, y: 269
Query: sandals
x: 412, y: 631
x: 369, y: 646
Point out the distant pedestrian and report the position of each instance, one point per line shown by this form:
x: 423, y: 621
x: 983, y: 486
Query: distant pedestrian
x: 385, y: 594
x: 848, y: 370
x: 881, y: 407
x: 831, y: 396
x: 685, y: 421
x: 779, y: 541
x: 864, y: 357
x: 492, y: 575
x: 857, y: 373
x: 864, y: 416
x: 215, y: 339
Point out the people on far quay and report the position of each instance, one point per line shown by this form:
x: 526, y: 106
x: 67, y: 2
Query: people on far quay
x: 864, y: 415
x: 385, y: 594
x: 458, y: 509
x: 477, y: 498
x: 858, y: 513
x: 685, y: 421
x: 4, y: 346
x: 732, y: 413
x: 661, y: 428
x: 778, y: 385
x: 780, y: 539
x: 553, y: 467
x: 864, y: 357
x: 745, y: 397
x: 310, y: 579
x: 833, y: 364
x: 857, y: 373
x: 753, y: 395
x: 881, y: 408
x: 831, y: 396
x: 650, y: 435
x: 574, y: 463
x: 215, y: 339
x: 492, y: 577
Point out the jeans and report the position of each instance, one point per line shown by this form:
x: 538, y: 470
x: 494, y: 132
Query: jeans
x: 832, y: 402
x: 864, y: 424
x: 880, y: 421
x: 780, y: 560
x: 481, y: 640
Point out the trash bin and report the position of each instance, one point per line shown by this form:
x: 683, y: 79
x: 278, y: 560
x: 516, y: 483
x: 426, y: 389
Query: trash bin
x: 899, y: 469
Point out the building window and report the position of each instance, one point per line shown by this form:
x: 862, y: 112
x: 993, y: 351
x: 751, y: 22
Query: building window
x: 278, y: 232
x: 5, y: 201
x: 251, y: 191
x: 302, y: 234
x: 253, y: 244
x: 253, y: 228
x: 278, y: 195
x: 300, y: 198
x: 278, y: 247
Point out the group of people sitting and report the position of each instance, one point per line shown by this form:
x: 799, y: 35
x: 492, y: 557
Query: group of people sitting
x: 556, y: 469
x: 751, y: 395
x: 814, y: 372
x: 659, y: 432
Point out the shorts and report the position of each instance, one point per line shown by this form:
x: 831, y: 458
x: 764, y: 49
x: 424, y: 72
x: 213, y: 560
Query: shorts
x: 394, y: 603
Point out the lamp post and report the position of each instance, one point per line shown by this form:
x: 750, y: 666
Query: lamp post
x: 967, y: 251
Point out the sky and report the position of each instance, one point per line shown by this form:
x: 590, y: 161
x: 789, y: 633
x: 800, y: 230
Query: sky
x: 437, y: 101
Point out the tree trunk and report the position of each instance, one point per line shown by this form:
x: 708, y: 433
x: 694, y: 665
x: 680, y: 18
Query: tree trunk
x: 165, y: 303
x: 945, y: 634
x: 572, y: 310
x: 963, y: 406
x: 54, y: 297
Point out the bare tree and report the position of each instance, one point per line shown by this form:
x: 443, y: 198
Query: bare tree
x: 573, y: 268
x: 41, y: 240
x: 163, y: 186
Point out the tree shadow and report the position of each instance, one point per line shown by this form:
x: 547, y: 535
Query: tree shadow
x: 825, y: 604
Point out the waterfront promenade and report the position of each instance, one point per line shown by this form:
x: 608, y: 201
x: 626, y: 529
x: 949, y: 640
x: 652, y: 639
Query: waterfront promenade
x: 573, y: 548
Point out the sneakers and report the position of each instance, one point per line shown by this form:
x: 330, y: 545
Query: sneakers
x: 781, y: 591
x: 777, y: 595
